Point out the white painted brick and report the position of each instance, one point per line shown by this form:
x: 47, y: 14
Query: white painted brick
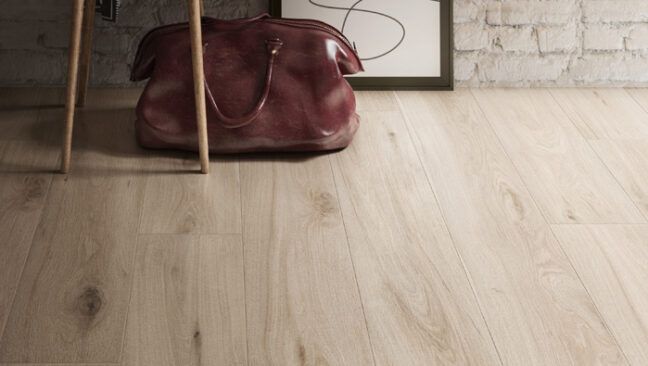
x: 466, y: 11
x: 135, y: 14
x: 497, y: 42
x: 26, y: 10
x: 54, y: 35
x: 111, y: 70
x: 610, y: 68
x: 29, y: 67
x: 464, y: 67
x: 530, y: 12
x: 108, y: 40
x: 508, y: 68
x: 557, y: 38
x: 608, y: 11
x: 38, y: 30
x: 516, y: 39
x: 638, y: 37
x: 470, y: 36
x: 15, y: 36
x: 604, y: 37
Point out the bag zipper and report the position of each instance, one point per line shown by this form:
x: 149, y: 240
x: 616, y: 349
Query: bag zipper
x: 298, y: 23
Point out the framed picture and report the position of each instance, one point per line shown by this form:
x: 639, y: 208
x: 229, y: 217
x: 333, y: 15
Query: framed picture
x: 402, y: 44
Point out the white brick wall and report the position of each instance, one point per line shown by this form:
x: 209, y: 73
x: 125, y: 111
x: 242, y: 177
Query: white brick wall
x: 551, y: 42
x: 34, y: 37
x: 497, y: 42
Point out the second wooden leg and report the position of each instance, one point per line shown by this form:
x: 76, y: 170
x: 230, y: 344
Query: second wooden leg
x: 73, y: 70
x: 86, y: 51
x: 199, y: 82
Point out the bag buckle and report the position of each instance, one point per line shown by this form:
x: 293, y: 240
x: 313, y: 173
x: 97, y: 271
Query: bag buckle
x: 274, y: 45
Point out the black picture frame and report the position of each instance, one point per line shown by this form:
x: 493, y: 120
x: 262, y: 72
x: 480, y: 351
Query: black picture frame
x: 444, y: 82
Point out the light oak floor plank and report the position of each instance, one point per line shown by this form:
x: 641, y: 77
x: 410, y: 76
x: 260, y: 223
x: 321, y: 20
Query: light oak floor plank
x: 303, y: 306
x: 565, y: 177
x: 59, y: 364
x: 628, y: 162
x: 345, y: 259
x: 32, y: 114
x: 27, y: 161
x: 374, y: 101
x: 612, y: 261
x: 603, y: 113
x: 19, y: 99
x: 419, y: 304
x: 178, y: 200
x: 538, y: 311
x: 640, y: 95
x: 24, y: 183
x: 188, y: 302
x: 72, y: 299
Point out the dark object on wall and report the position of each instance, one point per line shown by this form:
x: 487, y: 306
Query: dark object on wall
x: 271, y: 85
x: 403, y: 45
x: 109, y: 9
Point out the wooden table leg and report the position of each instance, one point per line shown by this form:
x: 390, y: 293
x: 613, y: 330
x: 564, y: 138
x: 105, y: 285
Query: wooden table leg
x: 73, y: 70
x: 86, y: 51
x: 199, y: 82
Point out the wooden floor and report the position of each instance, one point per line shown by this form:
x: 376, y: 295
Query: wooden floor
x: 476, y: 227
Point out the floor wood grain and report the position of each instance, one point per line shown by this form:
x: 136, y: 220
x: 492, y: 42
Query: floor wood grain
x: 628, y: 162
x: 455, y: 230
x: 375, y: 101
x: 419, y: 304
x: 566, y: 178
x: 188, y: 302
x: 303, y: 306
x: 59, y: 364
x: 24, y: 183
x: 72, y: 299
x: 176, y: 202
x: 525, y: 284
x: 612, y: 260
x: 640, y: 96
x: 603, y: 113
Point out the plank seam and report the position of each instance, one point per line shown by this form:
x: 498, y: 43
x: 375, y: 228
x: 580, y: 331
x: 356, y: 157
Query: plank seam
x: 407, y: 123
x: 600, y: 159
x: 546, y: 221
x: 355, y: 275
x: 40, y: 219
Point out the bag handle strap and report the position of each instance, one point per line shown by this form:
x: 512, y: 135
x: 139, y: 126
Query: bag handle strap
x: 272, y: 46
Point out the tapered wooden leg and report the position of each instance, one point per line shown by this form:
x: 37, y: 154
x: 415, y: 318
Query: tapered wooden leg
x: 86, y: 51
x: 199, y: 82
x: 73, y: 70
x: 202, y: 7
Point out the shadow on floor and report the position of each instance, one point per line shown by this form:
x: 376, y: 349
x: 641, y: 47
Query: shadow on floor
x: 104, y: 141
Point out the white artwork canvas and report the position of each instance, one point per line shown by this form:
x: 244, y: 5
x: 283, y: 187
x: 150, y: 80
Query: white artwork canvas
x: 393, y: 38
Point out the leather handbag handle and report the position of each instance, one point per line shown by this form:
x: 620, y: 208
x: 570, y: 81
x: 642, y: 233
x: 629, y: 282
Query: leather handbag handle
x: 272, y: 46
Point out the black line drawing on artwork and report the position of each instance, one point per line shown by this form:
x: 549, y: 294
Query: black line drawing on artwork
x: 354, y: 8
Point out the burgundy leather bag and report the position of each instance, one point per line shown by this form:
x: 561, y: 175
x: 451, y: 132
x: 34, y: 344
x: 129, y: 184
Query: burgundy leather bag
x: 271, y: 85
